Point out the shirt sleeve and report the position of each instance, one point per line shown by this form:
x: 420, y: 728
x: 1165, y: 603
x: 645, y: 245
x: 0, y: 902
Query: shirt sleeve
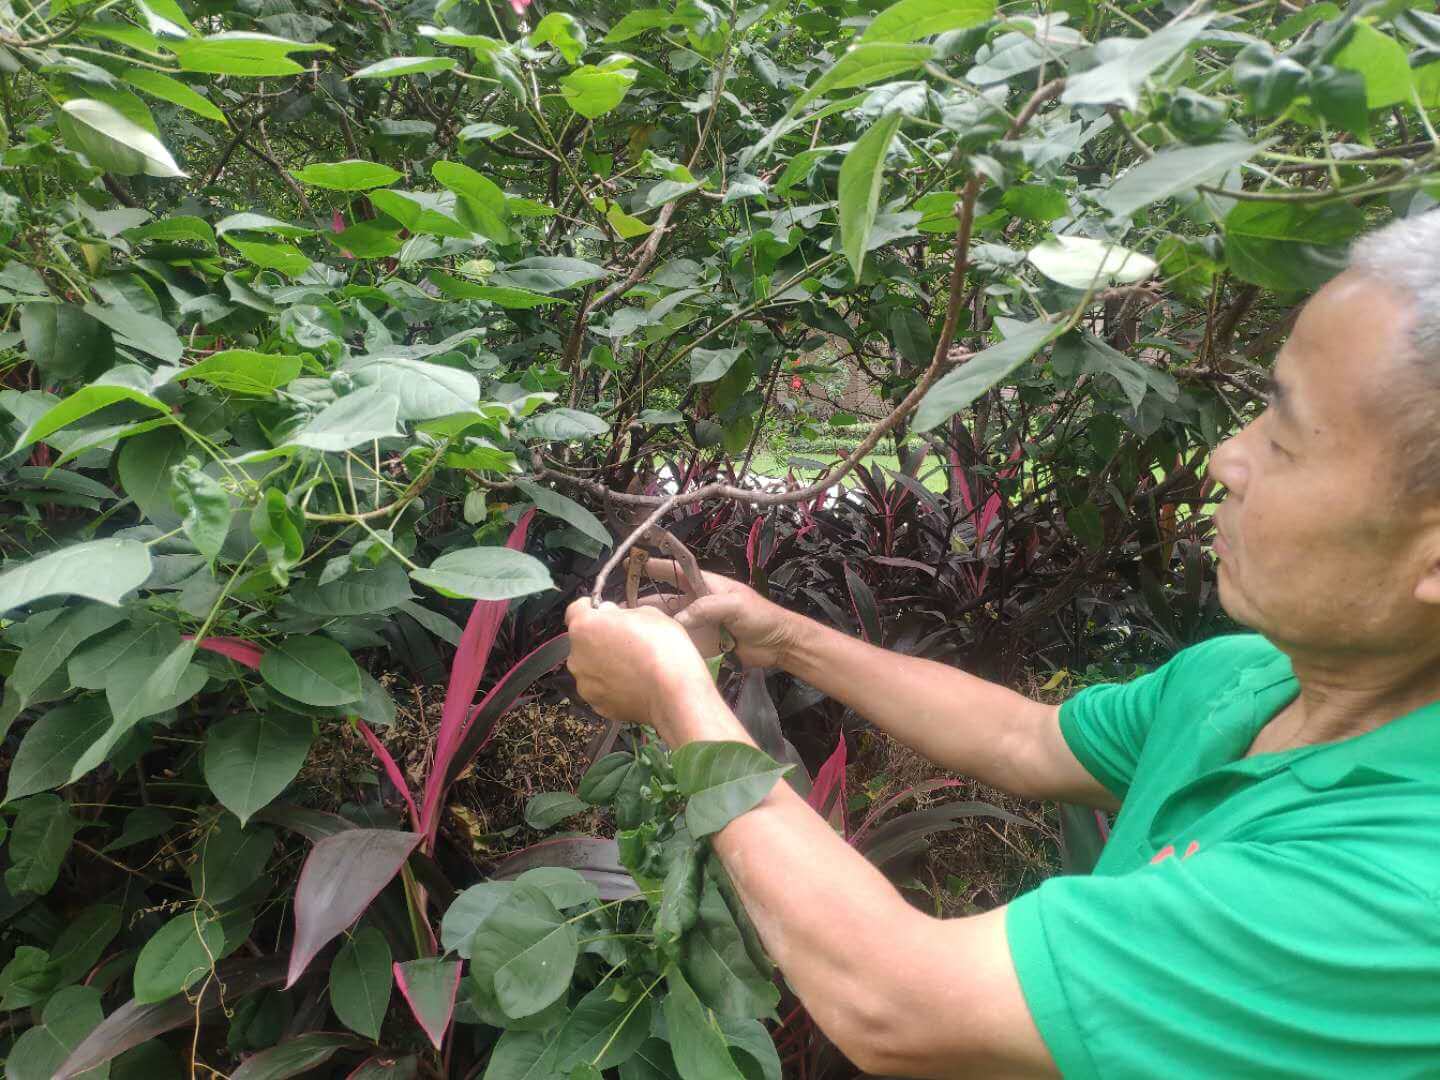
x: 1244, y: 960
x: 1106, y: 725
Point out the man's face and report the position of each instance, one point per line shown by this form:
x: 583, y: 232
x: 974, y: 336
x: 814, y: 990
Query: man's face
x: 1319, y: 546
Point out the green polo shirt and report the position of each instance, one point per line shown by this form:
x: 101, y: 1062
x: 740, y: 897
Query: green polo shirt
x: 1274, y: 916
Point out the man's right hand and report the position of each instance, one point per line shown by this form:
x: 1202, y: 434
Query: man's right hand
x: 763, y: 631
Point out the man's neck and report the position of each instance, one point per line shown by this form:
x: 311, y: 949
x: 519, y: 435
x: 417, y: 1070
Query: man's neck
x: 1341, y: 697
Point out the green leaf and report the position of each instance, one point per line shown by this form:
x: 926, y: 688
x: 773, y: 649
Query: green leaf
x: 861, y: 176
x: 680, y: 897
x: 911, y: 335
x: 564, y: 32
x: 288, y: 259
x: 178, y: 229
x: 139, y: 331
x: 279, y: 532
x: 396, y: 66
x: 653, y: 1061
x: 1036, y: 202
x: 65, y: 342
x: 421, y: 211
x: 112, y: 141
x: 69, y: 1016
x: 1079, y: 262
x: 103, y: 570
x: 865, y: 63
x: 603, y: 1031
x: 604, y: 779
x: 54, y: 744
x: 566, y: 509
x: 244, y: 371
x: 83, y: 941
x: 458, y: 288
x: 366, y: 591
x: 468, y: 910
x: 1118, y: 81
x: 561, y: 425
x: 722, y: 780
x: 485, y: 573
x: 125, y: 382
x: 351, y: 175
x: 710, y: 365
x: 565, y: 887
x: 593, y: 90
x: 361, y: 981
x: 314, y: 670
x: 250, y: 759
x: 1289, y: 246
x: 368, y: 240
x: 526, y: 950
x: 695, y: 1037
x: 27, y: 979
x: 636, y: 22
x: 301, y: 1055
x: 1173, y: 171
x: 42, y: 657
x: 361, y: 416
x: 1340, y: 97
x: 204, y: 507
x: 141, y: 824
x: 548, y: 274
x: 261, y: 223
x: 39, y: 841
x: 719, y: 966
x: 910, y: 20
x: 232, y: 858
x: 483, y: 204
x: 179, y: 955
x: 983, y: 370
x: 523, y: 1055
x: 549, y: 808
x: 424, y: 391
x: 1378, y: 59
x: 241, y: 53
x: 174, y: 91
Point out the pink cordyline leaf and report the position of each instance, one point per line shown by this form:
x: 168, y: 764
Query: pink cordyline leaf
x: 392, y: 770
x: 237, y: 649
x: 828, y: 791
x: 341, y: 876
x: 429, y: 987
x: 752, y: 543
x: 337, y: 222
x: 465, y: 673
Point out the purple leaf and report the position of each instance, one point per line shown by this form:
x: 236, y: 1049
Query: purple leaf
x: 133, y: 1023
x: 386, y: 1068
x: 314, y: 825
x: 392, y: 770
x: 596, y: 860
x: 827, y: 796
x: 294, y: 1057
x: 429, y: 986
x: 342, y: 874
x: 465, y: 673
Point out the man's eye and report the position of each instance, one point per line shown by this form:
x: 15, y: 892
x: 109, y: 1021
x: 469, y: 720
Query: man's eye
x: 1278, y: 448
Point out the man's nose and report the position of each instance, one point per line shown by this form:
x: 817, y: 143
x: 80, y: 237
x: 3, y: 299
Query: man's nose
x: 1228, y: 466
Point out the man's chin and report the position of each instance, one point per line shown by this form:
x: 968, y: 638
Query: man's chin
x: 1233, y: 603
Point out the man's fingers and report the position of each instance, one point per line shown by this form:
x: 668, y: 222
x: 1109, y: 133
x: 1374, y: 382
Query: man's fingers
x: 577, y: 611
x: 669, y: 603
x: 707, y: 611
x: 666, y: 570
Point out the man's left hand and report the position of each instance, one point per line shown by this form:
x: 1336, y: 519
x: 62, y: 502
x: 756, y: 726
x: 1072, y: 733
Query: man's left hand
x: 632, y: 664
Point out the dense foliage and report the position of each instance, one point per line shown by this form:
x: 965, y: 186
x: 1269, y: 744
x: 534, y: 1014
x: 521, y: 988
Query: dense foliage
x: 306, y: 306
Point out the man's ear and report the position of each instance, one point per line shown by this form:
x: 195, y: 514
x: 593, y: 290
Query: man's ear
x: 1427, y: 589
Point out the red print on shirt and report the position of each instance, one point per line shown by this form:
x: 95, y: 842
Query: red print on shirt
x: 1169, y: 850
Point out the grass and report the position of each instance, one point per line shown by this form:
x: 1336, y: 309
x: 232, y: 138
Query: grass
x: 767, y: 463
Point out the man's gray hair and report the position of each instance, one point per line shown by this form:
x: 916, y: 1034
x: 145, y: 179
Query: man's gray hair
x: 1406, y: 254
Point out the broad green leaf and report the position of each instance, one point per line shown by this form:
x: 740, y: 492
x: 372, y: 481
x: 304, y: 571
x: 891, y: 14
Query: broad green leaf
x: 301, y: 1055
x: 69, y: 1016
x: 351, y: 175
x: 287, y: 258
x: 28, y: 979
x: 563, y: 31
x: 566, y: 509
x: 180, y: 954
x: 314, y: 670
x: 459, y: 288
x: 523, y: 1055
x: 361, y: 416
x: 368, y: 240
x: 83, y: 941
x: 361, y: 980
x: 751, y: 1038
x: 626, y: 226
x: 865, y: 63
x: 139, y: 331
x: 103, y: 570
x: 861, y: 176
x: 421, y: 211
x: 722, y: 780
x: 181, y: 228
x: 1119, y: 80
x: 483, y: 205
x: 429, y: 986
x: 425, y: 391
x: 468, y: 910
x: 39, y: 841
x: 1288, y: 246
x: 1380, y: 60
x: 561, y: 425
x: 261, y: 223
x: 396, y: 66
x: 680, y: 896
x: 709, y: 365
x: 549, y: 808
x: 602, y: 1030
x: 719, y: 967
x: 653, y: 1061
x: 1172, y: 171
x: 231, y: 859
x: 241, y: 53
x: 359, y: 592
x: 244, y: 371
x: 593, y: 90
x: 910, y: 20
x: 695, y: 1037
x: 636, y: 22
x: 112, y: 141
x: 279, y: 531
x: 53, y: 745
x: 485, y: 573
x: 125, y: 382
x: 251, y: 758
x: 1339, y: 96
x: 64, y: 341
x: 565, y: 887
x: 41, y: 658
x: 203, y: 506
x: 1082, y: 263
x: 983, y: 370
x: 604, y: 779
x: 526, y: 951
x: 1036, y: 202
x: 548, y: 274
x: 174, y: 91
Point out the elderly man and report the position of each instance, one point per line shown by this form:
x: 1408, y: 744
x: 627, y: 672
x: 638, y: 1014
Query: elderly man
x: 1268, y: 903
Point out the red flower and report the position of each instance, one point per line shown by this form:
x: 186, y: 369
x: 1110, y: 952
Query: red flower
x: 797, y: 383
x: 519, y: 6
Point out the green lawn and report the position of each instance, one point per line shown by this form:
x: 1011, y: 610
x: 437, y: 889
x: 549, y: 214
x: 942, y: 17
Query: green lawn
x: 768, y: 464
